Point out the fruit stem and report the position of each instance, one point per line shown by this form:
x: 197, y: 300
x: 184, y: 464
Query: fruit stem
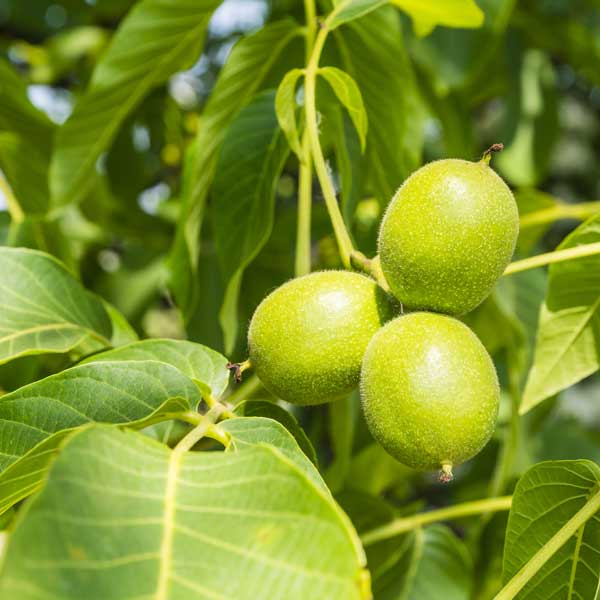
x: 370, y: 266
x: 239, y: 368
x: 404, y: 524
x: 487, y: 155
x: 446, y: 474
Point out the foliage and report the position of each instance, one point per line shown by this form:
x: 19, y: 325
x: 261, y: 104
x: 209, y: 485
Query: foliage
x: 166, y: 164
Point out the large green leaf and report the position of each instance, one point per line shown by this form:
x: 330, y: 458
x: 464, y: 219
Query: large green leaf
x: 546, y: 498
x: 245, y: 71
x: 568, y: 341
x: 205, y: 366
x: 251, y: 159
x: 43, y: 308
x: 156, y: 39
x: 36, y: 418
x: 388, y: 93
x: 25, y: 143
x: 122, y: 516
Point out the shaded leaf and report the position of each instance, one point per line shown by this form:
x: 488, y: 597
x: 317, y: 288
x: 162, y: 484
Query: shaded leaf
x: 44, y: 309
x: 247, y: 67
x: 348, y: 94
x: 201, y: 364
x: 261, y: 431
x: 24, y: 132
x: 36, y: 418
x: 263, y: 408
x: 432, y: 563
x: 568, y: 340
x: 285, y: 107
x: 545, y: 498
x: 532, y: 115
x: 388, y: 92
x: 242, y: 524
x: 252, y: 157
x: 156, y: 39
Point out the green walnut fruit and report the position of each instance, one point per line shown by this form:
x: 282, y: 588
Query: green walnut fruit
x: 448, y: 235
x: 308, y: 337
x: 429, y: 391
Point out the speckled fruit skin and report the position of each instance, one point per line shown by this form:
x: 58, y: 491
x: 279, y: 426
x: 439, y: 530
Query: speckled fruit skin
x: 448, y: 235
x: 429, y: 390
x: 308, y: 337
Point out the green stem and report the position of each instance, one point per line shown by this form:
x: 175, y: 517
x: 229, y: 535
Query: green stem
x: 312, y: 127
x: 553, y: 257
x: 557, y: 541
x: 580, y: 211
x: 404, y: 524
x: 303, y: 252
x: 206, y: 427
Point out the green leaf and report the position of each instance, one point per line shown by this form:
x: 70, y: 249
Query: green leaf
x: 342, y: 422
x: 252, y: 157
x: 24, y: 132
x: 124, y: 516
x: 285, y: 107
x: 532, y: 205
x: 349, y: 95
x: 433, y: 563
x: 122, y: 332
x: 44, y: 309
x: 568, y: 340
x: 201, y: 364
x: 545, y: 499
x: 388, y: 93
x: 35, y: 419
x: 155, y: 40
x: 245, y: 71
x: 449, y: 13
x: 261, y: 431
x: 348, y: 10
x: 532, y: 121
x: 264, y: 408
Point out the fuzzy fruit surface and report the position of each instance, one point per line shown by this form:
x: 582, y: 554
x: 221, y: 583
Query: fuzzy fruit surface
x: 447, y: 236
x: 308, y: 337
x: 429, y: 391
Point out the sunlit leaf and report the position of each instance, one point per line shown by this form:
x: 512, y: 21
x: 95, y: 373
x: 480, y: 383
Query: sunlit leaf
x: 449, y: 13
x: 285, y: 107
x: 568, y: 341
x: 349, y: 95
